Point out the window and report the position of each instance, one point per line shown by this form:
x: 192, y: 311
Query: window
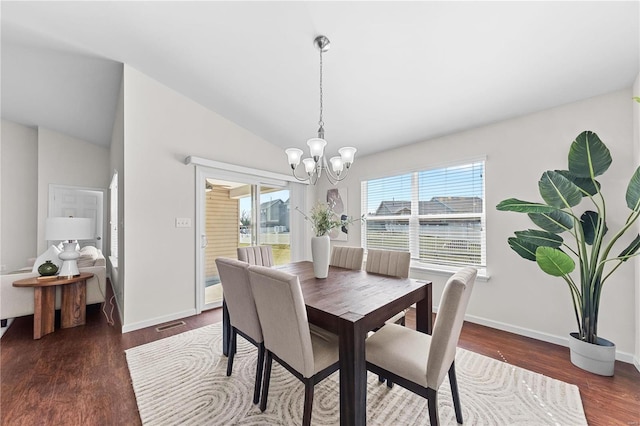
x: 437, y: 214
x: 113, y: 218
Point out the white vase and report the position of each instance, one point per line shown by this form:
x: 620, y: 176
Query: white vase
x: 597, y: 358
x: 320, y: 253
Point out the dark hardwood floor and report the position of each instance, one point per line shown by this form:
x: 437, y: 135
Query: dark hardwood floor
x: 79, y: 376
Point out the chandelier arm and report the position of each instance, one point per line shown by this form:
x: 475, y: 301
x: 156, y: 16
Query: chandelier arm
x: 293, y: 172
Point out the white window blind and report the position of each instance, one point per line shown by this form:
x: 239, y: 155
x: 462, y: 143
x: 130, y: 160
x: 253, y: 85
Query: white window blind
x: 437, y: 214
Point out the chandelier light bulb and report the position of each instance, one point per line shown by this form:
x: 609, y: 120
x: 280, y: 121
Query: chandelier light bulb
x: 294, y: 155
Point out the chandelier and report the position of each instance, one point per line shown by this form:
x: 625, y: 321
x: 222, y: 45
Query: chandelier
x: 317, y: 162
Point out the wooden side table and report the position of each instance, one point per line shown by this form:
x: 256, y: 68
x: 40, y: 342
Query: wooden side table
x: 73, y: 308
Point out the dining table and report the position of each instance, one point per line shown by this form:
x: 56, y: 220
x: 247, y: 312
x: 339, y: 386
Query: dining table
x: 350, y: 304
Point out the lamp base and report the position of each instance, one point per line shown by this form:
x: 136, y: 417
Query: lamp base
x: 69, y: 256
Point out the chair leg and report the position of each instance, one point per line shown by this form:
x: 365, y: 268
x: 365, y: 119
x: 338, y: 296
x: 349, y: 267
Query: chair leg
x: 432, y: 401
x: 389, y: 384
x: 231, y: 351
x: 381, y: 379
x: 308, y: 403
x: 453, y: 381
x: 265, y: 381
x: 259, y: 367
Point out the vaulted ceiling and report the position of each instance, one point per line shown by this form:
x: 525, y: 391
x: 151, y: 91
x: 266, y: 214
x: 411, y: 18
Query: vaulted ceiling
x: 396, y: 73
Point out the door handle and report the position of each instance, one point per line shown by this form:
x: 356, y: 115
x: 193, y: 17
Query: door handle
x: 204, y: 242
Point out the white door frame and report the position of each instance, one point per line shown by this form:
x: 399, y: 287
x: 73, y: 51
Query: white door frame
x: 203, y: 172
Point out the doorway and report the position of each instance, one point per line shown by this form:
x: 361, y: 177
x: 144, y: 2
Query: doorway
x: 236, y: 213
x: 65, y: 201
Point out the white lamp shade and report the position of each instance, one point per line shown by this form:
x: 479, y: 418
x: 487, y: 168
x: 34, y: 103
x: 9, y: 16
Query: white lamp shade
x: 294, y: 155
x: 316, y: 147
x: 68, y: 228
x: 347, y: 153
x: 309, y: 165
x: 336, y: 164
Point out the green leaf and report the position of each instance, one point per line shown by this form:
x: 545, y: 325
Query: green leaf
x: 586, y: 185
x: 556, y: 221
x: 558, y: 191
x: 523, y: 248
x: 633, y: 191
x: 515, y: 205
x: 554, y: 261
x: 589, y: 221
x: 589, y: 156
x: 631, y: 249
x: 539, y: 238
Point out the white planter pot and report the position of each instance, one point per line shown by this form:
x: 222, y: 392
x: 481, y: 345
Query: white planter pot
x: 320, y: 253
x: 597, y: 358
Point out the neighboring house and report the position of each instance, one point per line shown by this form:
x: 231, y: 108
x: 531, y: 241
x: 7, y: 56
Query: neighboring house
x: 435, y: 206
x: 274, y: 216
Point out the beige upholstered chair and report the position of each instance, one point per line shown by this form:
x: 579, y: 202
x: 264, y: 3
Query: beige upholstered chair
x: 418, y: 361
x: 256, y: 255
x: 392, y: 263
x: 283, y: 316
x: 243, y: 316
x: 347, y: 257
x: 388, y: 262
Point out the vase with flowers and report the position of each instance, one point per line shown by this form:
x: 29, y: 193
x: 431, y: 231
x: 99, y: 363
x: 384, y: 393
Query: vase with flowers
x: 323, y: 220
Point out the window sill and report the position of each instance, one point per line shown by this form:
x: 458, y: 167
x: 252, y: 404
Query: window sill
x: 483, y: 273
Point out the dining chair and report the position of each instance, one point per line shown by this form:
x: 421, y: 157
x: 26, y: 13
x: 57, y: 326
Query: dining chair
x: 287, y: 339
x: 418, y: 361
x: 347, y: 257
x: 393, y: 263
x: 243, y: 316
x: 256, y: 255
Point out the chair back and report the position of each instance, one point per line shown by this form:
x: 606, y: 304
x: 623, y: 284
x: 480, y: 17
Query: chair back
x: 256, y: 255
x: 388, y: 262
x: 234, y: 277
x: 283, y: 317
x: 448, y: 325
x: 347, y: 257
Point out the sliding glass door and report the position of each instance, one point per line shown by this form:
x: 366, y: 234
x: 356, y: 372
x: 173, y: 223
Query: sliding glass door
x: 233, y: 213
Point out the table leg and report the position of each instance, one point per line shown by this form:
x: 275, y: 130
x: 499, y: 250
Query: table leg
x: 424, y: 313
x: 226, y: 329
x: 44, y: 301
x: 353, y: 373
x: 73, y: 307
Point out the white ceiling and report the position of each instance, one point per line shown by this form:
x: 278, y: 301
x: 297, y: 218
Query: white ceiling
x: 397, y: 72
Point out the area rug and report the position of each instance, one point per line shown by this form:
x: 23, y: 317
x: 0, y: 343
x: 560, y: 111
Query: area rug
x: 181, y: 380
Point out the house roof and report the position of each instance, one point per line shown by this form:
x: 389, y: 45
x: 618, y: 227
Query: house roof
x: 436, y: 205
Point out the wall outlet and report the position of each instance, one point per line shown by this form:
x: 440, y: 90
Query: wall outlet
x: 183, y: 222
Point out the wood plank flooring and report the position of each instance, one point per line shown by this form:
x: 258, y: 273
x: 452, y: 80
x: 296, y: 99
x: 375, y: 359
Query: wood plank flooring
x: 79, y: 376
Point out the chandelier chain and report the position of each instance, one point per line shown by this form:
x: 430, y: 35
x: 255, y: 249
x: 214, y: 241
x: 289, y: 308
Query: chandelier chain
x: 321, y: 122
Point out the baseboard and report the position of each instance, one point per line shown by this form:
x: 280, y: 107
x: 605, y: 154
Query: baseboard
x: 636, y: 362
x: 158, y: 320
x: 545, y: 337
x: 3, y: 329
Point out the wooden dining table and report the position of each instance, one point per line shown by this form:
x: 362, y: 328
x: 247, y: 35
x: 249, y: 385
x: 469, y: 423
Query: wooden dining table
x: 350, y: 304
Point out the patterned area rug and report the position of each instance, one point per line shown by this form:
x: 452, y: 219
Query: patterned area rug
x: 181, y: 380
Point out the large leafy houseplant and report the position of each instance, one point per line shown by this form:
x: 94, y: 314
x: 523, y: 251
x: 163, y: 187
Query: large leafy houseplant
x: 563, y: 192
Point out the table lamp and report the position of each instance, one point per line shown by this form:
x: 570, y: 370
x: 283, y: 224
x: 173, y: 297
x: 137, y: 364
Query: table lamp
x: 69, y: 229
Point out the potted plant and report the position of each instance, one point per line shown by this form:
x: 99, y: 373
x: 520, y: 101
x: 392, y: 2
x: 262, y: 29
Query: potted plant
x: 588, y: 241
x: 323, y: 220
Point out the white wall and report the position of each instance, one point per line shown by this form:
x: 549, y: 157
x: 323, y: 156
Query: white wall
x: 636, y: 160
x: 161, y: 128
x: 65, y: 160
x: 519, y: 296
x: 19, y: 200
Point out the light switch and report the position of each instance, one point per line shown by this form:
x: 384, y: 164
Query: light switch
x: 183, y: 222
